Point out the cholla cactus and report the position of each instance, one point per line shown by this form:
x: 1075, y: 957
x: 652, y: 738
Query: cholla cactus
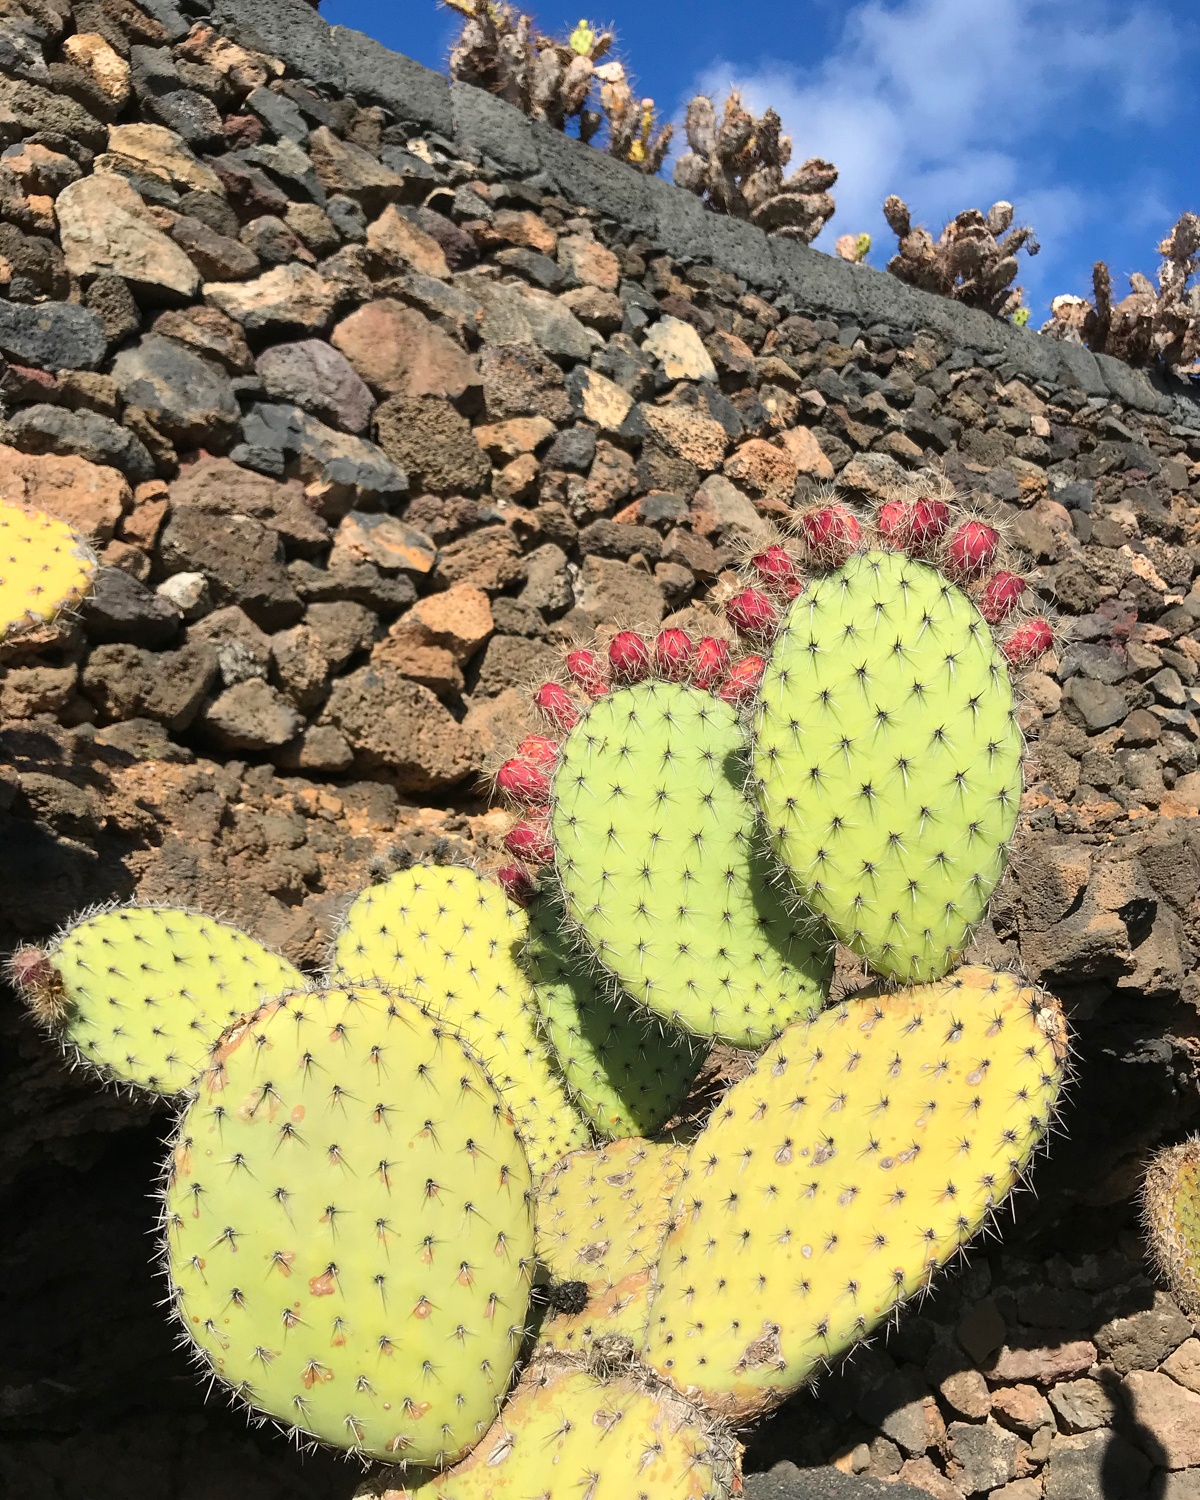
x: 974, y: 260
x: 853, y: 247
x: 736, y: 165
x: 634, y: 134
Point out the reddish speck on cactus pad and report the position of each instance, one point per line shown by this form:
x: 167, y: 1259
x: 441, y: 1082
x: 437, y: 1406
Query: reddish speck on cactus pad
x: 538, y: 749
x: 926, y: 521
x: 531, y: 841
x: 776, y: 570
x: 673, y: 651
x: 628, y: 657
x: 753, y: 615
x: 743, y: 680
x: 517, y: 883
x: 587, y: 673
x: 1000, y: 596
x: 36, y: 978
x: 971, y: 550
x: 556, y: 706
x: 832, y: 533
x: 710, y: 663
x: 1029, y: 642
x: 526, y: 784
x: 891, y: 522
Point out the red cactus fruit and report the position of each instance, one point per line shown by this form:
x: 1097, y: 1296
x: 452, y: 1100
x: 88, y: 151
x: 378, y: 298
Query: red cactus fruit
x: 538, y: 749
x: 710, y: 663
x: 1000, y: 596
x: 518, y: 883
x: 971, y: 550
x: 628, y: 657
x: 753, y: 615
x: 38, y: 983
x: 531, y: 841
x: 587, y: 673
x: 926, y: 522
x: 891, y: 522
x: 673, y: 651
x: 524, y: 783
x: 777, y: 571
x: 743, y: 680
x: 832, y: 533
x: 556, y: 706
x: 1029, y: 642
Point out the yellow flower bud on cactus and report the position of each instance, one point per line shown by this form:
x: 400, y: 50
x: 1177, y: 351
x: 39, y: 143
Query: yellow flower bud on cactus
x: 583, y: 38
x: 862, y: 247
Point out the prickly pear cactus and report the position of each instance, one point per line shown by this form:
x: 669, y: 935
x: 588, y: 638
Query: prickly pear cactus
x: 568, y: 1433
x: 141, y: 993
x: 626, y: 1075
x: 1171, y: 1214
x: 348, y: 1226
x: 451, y: 940
x: 887, y: 760
x: 862, y: 1153
x: 602, y: 1216
x: 655, y: 848
x: 45, y: 567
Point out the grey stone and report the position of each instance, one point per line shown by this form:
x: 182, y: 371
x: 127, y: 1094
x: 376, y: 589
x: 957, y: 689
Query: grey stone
x: 49, y: 109
x: 1131, y: 387
x: 189, y: 398
x: 83, y: 434
x: 152, y: 70
x: 347, y: 217
x: 1080, y: 364
x: 1096, y: 703
x: 127, y: 682
x: 818, y: 283
x: 494, y: 127
x: 379, y: 76
x: 313, y: 375
x: 190, y: 115
x: 251, y: 716
x: 1144, y: 1339
x: 275, y: 435
x: 395, y: 723
x: 243, y: 650
x: 188, y: 592
x: 358, y: 583
x: 279, y: 114
x: 169, y: 17
x: 119, y: 608
x: 787, y: 1482
x: 288, y: 29
x: 523, y: 315
x: 985, y: 1455
x: 287, y: 162
x: 743, y: 250
x: 241, y: 558
x: 1094, y: 1466
x: 595, y: 180
x: 52, y: 335
x: 1082, y: 1405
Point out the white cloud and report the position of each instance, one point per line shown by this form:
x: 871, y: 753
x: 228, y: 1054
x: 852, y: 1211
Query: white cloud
x: 951, y: 104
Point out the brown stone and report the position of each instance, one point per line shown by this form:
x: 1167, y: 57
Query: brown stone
x: 967, y: 1392
x: 432, y: 666
x: 489, y: 559
x: 396, y: 238
x: 508, y: 440
x: 381, y: 539
x: 209, y: 332
x: 601, y: 400
x: 26, y: 692
x: 89, y: 497
x: 612, y: 479
x: 518, y: 480
x: 397, y: 350
x: 701, y: 440
x: 394, y: 723
x: 105, y: 226
x: 764, y: 469
x: 522, y: 227
x: 1184, y: 1365
x: 589, y: 262
x: 343, y: 167
x: 603, y: 311
x: 519, y: 380
x: 1168, y: 1416
x: 1042, y: 1363
x: 1021, y: 1407
x: 925, y: 1475
x: 458, y: 620
x: 801, y: 446
x: 616, y: 593
x: 679, y: 349
x: 107, y: 69
x: 433, y: 444
x: 155, y: 151
x: 288, y: 297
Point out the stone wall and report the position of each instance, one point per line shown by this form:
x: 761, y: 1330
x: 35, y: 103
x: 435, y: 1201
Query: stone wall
x: 371, y: 394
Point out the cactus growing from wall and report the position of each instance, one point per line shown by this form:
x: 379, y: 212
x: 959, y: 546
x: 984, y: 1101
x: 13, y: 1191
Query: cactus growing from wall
x: 973, y: 260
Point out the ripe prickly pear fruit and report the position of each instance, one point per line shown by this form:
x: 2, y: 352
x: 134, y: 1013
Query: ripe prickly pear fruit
x: 538, y: 749
x: 517, y: 884
x: 832, y: 533
x: 655, y: 851
x: 602, y: 1217
x: 753, y: 615
x: 1029, y: 642
x: 141, y: 993
x: 568, y: 1433
x: 556, y: 705
x: 971, y: 550
x: 625, y: 1075
x: 925, y: 525
x: 891, y: 523
x: 673, y: 653
x: 45, y: 567
x: 586, y: 673
x: 1001, y: 595
x: 1171, y: 1215
x: 449, y: 939
x: 530, y: 839
x: 775, y: 568
x: 628, y: 657
x: 347, y: 1222
x: 861, y: 1154
x: 710, y: 664
x: 888, y: 761
x: 743, y: 680
x: 525, y: 782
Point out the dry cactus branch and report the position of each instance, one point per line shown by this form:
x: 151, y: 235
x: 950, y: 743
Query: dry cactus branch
x: 736, y: 165
x: 974, y: 260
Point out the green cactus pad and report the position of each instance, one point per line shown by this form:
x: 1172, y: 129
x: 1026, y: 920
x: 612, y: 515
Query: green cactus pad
x: 141, y: 993
x: 862, y: 1153
x: 349, y: 1226
x: 656, y: 853
x: 627, y: 1075
x: 570, y: 1434
x: 1171, y: 1212
x: 888, y: 761
x: 602, y: 1216
x: 451, y: 940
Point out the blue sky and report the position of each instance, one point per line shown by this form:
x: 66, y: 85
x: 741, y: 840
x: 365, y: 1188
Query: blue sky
x: 1080, y: 112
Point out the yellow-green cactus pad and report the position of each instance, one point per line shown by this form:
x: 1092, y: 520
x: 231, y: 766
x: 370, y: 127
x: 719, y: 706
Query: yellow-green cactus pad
x: 349, y: 1226
x: 45, y: 567
x: 862, y: 1153
x: 888, y: 761
x: 1171, y: 1211
x: 568, y: 1434
x: 654, y: 846
x: 602, y: 1217
x: 141, y: 993
x: 452, y: 941
x: 628, y: 1073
